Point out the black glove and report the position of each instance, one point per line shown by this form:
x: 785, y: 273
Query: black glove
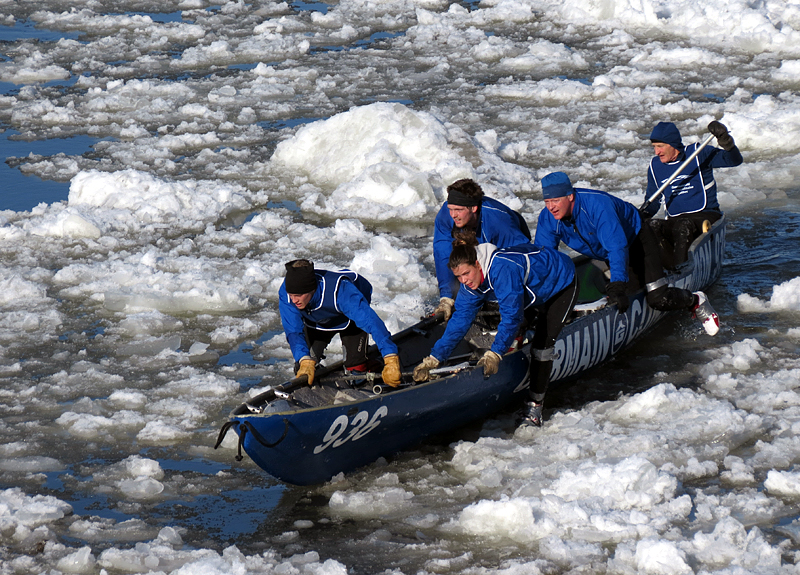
x: 616, y: 295
x: 720, y: 132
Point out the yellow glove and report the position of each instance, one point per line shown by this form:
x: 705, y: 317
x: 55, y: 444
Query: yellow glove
x: 422, y: 371
x: 445, y: 306
x: 490, y: 362
x: 307, y: 367
x: 391, y: 370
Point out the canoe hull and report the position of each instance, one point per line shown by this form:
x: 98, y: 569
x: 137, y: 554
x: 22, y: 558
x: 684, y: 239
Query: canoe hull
x: 592, y: 340
x: 325, y: 441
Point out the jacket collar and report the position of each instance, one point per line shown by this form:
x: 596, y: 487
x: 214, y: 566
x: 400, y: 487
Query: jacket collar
x: 485, y: 253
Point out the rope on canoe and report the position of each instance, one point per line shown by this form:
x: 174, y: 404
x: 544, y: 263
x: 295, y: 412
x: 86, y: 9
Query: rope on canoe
x: 246, y: 426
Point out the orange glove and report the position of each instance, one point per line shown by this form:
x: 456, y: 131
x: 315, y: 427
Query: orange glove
x: 391, y: 370
x: 307, y: 367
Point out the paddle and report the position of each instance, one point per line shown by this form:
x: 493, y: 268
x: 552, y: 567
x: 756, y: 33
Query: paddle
x: 285, y: 388
x: 675, y: 174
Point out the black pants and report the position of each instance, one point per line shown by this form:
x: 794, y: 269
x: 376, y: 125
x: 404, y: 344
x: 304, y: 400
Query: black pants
x: 354, y: 340
x: 675, y: 235
x: 644, y: 259
x: 547, y: 321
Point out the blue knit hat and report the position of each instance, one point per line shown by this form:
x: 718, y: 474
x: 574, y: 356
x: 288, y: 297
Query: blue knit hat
x: 556, y: 185
x: 667, y: 133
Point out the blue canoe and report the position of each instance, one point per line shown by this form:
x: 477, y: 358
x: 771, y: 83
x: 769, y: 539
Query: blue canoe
x: 306, y: 435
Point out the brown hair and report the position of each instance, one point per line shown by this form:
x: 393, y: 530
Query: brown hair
x: 467, y: 187
x: 464, y: 244
x: 299, y: 264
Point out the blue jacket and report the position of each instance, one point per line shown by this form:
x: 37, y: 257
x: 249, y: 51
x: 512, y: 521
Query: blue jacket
x: 341, y: 298
x: 694, y: 189
x: 516, y: 278
x: 601, y: 227
x: 498, y: 225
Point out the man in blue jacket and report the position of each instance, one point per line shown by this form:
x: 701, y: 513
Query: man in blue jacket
x: 691, y: 198
x: 528, y: 283
x: 468, y: 208
x: 315, y: 305
x: 608, y: 229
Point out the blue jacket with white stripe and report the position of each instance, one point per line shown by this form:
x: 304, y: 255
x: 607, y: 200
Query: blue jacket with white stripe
x: 516, y: 278
x: 340, y: 298
x: 601, y: 226
x: 498, y: 225
x: 694, y: 189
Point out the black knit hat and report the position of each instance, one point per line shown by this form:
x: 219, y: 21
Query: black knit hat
x: 300, y: 279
